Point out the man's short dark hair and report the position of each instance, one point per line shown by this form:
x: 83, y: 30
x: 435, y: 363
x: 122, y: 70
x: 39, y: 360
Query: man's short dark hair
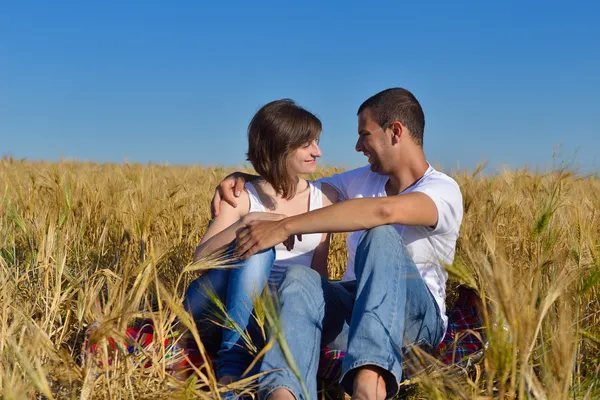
x: 397, y: 104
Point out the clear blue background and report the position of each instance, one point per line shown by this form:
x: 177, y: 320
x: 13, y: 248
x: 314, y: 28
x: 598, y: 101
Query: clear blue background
x: 177, y: 81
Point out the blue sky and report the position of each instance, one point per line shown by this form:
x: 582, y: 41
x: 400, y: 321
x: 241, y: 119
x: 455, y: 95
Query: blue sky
x: 157, y: 81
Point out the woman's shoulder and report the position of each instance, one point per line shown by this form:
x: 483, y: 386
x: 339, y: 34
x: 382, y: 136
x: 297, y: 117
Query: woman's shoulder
x: 259, y: 185
x: 262, y: 189
x: 263, y: 194
x: 242, y: 208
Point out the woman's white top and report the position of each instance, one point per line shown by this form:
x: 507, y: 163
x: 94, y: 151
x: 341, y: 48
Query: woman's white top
x: 303, y: 251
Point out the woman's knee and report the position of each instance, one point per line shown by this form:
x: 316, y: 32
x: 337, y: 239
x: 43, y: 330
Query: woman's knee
x: 200, y: 292
x: 266, y: 256
x: 259, y: 263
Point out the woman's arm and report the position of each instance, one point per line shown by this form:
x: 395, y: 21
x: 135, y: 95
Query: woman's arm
x: 319, y: 260
x: 222, y: 228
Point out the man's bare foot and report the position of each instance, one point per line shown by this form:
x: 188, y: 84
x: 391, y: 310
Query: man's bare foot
x: 368, y: 384
x: 281, y: 394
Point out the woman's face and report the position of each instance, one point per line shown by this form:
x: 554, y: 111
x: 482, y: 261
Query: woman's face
x: 303, y: 160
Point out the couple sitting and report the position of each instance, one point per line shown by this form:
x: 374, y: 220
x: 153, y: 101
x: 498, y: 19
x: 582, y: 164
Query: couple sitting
x: 403, y: 217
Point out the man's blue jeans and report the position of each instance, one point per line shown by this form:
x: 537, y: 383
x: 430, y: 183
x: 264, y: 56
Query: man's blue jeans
x: 236, y: 288
x: 372, y: 318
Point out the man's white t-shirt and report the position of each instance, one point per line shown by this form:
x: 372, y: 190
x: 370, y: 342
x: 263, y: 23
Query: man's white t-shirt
x: 430, y: 249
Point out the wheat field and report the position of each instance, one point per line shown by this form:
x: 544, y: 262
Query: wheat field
x: 85, y: 244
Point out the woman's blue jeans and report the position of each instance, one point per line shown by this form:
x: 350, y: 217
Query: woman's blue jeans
x: 236, y: 287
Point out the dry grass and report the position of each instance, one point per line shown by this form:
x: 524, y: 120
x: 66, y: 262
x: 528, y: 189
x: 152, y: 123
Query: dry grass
x: 86, y: 243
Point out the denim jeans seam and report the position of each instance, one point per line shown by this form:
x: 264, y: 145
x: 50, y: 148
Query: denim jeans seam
x: 388, y: 365
x: 315, y: 341
x: 438, y: 313
x: 394, y: 237
x: 394, y: 311
x: 394, y: 314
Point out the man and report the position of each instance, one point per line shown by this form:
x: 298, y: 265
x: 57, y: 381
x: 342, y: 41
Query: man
x: 404, y: 218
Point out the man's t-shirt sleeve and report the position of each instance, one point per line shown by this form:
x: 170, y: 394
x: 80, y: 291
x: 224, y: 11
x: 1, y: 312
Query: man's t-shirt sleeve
x: 448, y: 200
x: 342, y: 182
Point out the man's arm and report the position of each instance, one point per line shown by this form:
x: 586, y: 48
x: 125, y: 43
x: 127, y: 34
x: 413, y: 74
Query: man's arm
x: 408, y: 209
x: 229, y: 188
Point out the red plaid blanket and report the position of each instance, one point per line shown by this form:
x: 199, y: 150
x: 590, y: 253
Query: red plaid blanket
x: 462, y: 340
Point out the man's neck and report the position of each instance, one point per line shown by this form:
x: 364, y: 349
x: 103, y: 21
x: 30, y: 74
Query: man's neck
x: 406, y: 175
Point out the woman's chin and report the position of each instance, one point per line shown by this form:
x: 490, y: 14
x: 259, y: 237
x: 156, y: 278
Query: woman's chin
x: 310, y: 170
x: 306, y: 169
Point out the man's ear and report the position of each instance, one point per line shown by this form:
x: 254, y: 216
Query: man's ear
x: 398, y: 131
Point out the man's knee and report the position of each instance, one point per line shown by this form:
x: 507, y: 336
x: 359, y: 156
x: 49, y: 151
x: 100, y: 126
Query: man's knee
x: 300, y: 275
x: 381, y: 237
x: 382, y: 246
x: 380, y: 234
x: 299, y: 280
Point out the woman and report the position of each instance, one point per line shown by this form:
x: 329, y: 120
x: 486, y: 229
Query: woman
x: 282, y: 144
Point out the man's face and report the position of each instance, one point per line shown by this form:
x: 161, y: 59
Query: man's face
x: 372, y: 142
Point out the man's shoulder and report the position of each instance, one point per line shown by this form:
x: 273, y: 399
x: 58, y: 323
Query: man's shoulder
x: 364, y: 180
x: 440, y: 179
x: 358, y: 173
x: 355, y: 182
x: 440, y: 185
x: 445, y: 193
x: 350, y: 176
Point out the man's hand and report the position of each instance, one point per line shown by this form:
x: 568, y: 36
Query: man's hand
x: 257, y: 236
x: 265, y: 216
x: 230, y: 188
x: 261, y: 216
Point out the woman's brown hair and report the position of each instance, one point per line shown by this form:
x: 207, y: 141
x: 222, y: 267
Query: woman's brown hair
x: 276, y: 130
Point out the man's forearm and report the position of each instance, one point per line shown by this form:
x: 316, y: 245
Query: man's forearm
x: 348, y: 216
x: 359, y: 214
